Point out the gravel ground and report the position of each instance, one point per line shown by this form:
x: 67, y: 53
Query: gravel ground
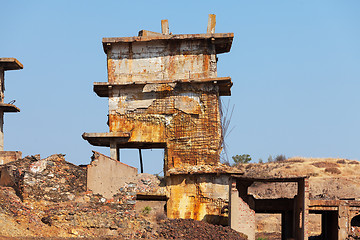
x: 195, y: 230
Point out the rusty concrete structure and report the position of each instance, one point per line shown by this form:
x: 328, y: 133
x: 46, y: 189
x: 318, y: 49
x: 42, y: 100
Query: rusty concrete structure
x: 338, y: 217
x: 7, y: 64
x: 200, y: 195
x: 243, y: 206
x: 164, y: 92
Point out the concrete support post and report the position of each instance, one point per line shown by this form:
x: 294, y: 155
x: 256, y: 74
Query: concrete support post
x: 211, y: 23
x: 114, y: 151
x: 301, y: 210
x: 165, y: 27
x: 343, y: 222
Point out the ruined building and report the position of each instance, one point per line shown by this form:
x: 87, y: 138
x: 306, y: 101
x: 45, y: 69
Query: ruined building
x: 5, y: 65
x: 164, y: 92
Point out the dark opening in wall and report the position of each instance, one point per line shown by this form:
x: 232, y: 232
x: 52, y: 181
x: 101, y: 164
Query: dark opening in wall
x: 355, y: 221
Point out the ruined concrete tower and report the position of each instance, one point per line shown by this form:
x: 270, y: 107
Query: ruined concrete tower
x: 5, y: 65
x: 163, y: 92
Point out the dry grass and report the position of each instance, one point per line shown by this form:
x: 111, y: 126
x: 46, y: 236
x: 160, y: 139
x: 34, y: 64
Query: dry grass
x: 333, y: 170
x: 325, y: 165
x: 310, y: 159
x: 354, y: 162
x: 342, y: 161
x: 295, y: 160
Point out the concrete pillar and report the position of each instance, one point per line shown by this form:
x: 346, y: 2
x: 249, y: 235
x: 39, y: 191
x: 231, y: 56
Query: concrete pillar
x: 165, y: 27
x: 211, y: 24
x: 301, y: 210
x: 242, y: 209
x: 114, y: 151
x: 343, y: 222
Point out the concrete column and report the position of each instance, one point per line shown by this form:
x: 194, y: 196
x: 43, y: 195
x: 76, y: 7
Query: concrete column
x: 301, y: 210
x: 343, y: 222
x: 114, y: 154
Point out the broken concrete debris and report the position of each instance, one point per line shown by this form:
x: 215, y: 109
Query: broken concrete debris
x: 52, y: 191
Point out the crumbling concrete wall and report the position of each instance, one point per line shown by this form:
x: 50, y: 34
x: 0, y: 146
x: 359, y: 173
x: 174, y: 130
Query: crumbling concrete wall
x: 56, y: 191
x: 159, y: 60
x: 185, y: 117
x: 107, y: 176
x: 198, y: 196
x: 188, y: 122
x: 243, y: 206
x: 9, y: 156
x: 241, y: 209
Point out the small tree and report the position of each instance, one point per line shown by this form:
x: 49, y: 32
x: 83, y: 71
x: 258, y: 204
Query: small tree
x: 244, y: 158
x: 270, y: 159
x: 280, y: 157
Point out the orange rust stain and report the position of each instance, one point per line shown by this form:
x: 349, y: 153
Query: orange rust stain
x: 111, y: 70
x: 206, y: 65
x: 140, y: 131
x: 188, y: 198
x: 171, y: 68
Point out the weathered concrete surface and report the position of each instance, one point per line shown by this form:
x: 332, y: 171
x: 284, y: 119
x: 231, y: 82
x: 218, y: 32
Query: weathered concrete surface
x: 241, y: 210
x: 106, y: 176
x: 243, y: 206
x: 199, y: 196
x: 135, y: 61
x: 9, y: 156
x: 164, y: 91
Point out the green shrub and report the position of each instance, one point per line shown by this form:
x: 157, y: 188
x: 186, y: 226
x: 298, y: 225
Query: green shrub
x: 146, y: 210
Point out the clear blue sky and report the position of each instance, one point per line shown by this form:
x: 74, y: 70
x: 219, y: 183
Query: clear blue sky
x: 295, y: 66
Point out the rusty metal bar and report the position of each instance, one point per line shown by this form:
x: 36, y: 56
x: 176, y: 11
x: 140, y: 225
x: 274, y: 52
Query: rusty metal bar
x: 141, y: 161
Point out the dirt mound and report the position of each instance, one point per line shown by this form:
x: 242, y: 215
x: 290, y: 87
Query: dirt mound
x: 191, y: 229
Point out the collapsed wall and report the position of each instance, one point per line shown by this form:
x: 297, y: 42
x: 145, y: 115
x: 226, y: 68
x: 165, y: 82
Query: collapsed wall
x: 52, y: 193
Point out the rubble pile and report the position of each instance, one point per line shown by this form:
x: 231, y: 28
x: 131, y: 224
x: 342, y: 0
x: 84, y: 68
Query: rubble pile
x: 53, y: 179
x: 192, y: 229
x: 354, y: 233
x: 50, y: 193
x: 150, y: 184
